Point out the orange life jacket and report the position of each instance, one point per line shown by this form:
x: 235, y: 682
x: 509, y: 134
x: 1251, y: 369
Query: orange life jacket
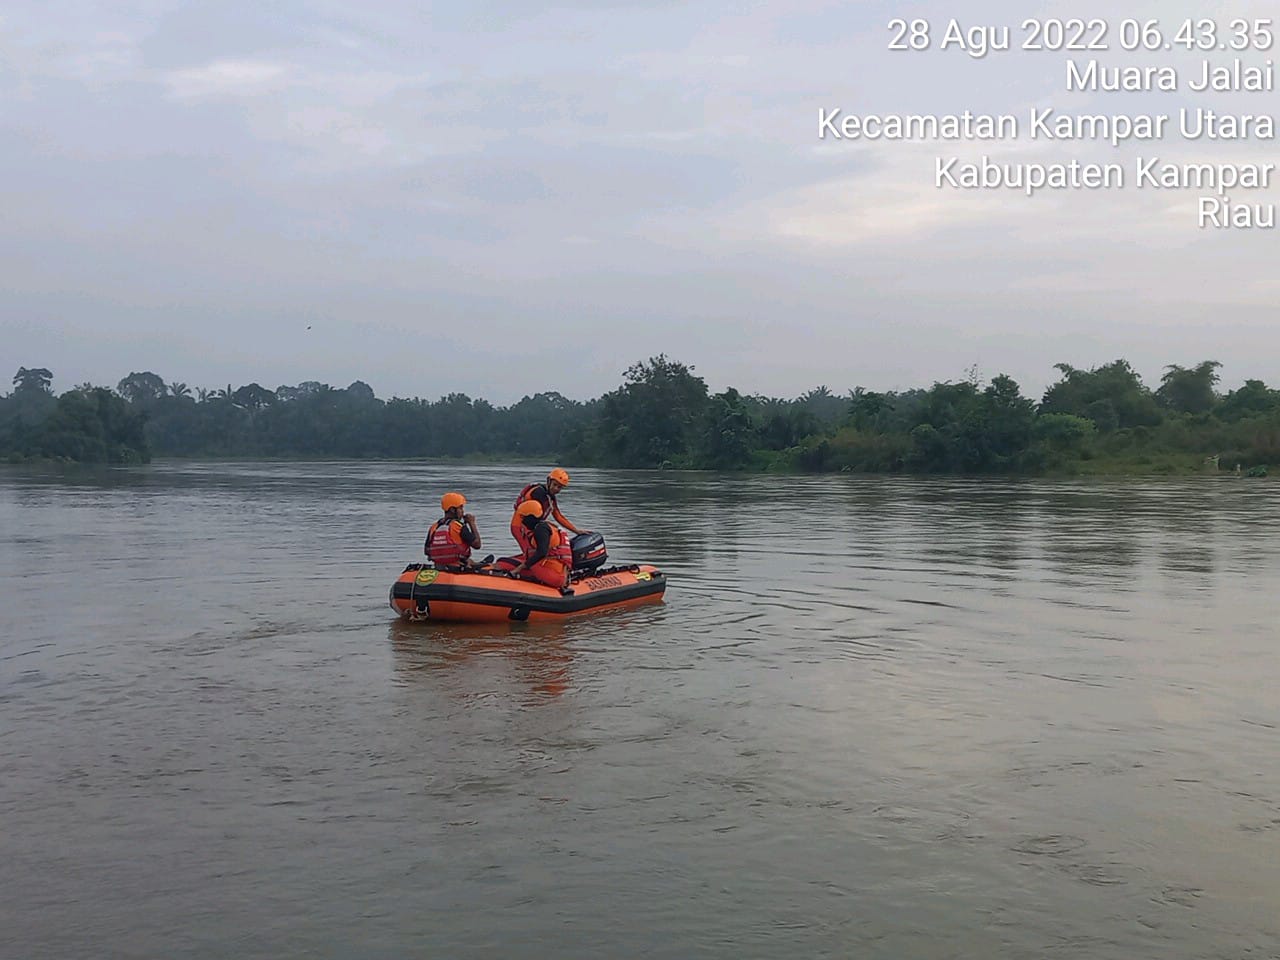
x: 524, y: 495
x: 518, y: 530
x: 558, y: 549
x: 443, y: 550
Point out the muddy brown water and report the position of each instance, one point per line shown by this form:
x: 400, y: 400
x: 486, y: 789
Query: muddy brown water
x: 882, y: 718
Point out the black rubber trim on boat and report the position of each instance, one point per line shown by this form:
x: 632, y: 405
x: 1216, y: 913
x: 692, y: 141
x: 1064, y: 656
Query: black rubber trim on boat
x: 527, y: 603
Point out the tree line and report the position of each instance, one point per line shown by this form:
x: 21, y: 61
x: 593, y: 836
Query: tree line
x: 1103, y: 419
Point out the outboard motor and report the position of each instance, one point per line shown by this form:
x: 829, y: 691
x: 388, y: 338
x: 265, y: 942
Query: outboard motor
x: 588, y: 551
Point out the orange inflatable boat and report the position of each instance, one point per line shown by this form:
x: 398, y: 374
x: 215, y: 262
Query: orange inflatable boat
x: 424, y: 593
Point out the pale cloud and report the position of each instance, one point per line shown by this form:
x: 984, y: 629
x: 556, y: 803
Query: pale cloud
x: 349, y: 129
x: 332, y: 120
x: 111, y: 54
x: 28, y: 57
x: 894, y: 202
x: 226, y: 78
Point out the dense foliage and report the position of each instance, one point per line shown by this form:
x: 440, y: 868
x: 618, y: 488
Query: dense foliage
x: 1100, y: 420
x: 88, y: 424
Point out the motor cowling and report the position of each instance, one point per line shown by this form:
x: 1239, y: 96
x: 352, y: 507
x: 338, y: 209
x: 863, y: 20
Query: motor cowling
x: 588, y: 551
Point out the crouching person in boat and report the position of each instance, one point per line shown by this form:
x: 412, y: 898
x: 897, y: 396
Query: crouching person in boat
x: 545, y: 494
x: 452, y: 538
x: 547, y: 557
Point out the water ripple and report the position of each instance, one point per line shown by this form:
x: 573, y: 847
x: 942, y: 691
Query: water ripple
x: 936, y: 717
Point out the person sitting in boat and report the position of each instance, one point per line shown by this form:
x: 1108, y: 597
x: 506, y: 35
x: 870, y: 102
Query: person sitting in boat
x: 547, y: 556
x: 545, y: 494
x: 452, y: 538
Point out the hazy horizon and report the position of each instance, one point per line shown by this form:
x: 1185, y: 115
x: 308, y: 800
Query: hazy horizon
x: 498, y: 199
x: 1032, y: 392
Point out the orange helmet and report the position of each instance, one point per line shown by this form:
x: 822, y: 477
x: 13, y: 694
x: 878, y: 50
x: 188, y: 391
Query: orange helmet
x: 559, y: 476
x: 451, y: 500
x: 529, y: 508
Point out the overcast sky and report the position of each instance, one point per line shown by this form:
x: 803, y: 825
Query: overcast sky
x: 502, y: 196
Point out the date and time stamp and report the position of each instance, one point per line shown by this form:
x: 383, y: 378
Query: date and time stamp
x: 1084, y: 36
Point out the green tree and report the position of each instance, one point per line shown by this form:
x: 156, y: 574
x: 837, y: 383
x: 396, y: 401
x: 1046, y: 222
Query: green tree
x: 33, y: 379
x: 824, y: 406
x: 1252, y: 399
x: 1003, y: 430
x: 866, y: 408
x: 965, y: 430
x: 782, y: 424
x: 253, y: 397
x: 1112, y: 395
x: 25, y: 409
x: 1064, y: 433
x: 1189, y: 390
x: 541, y: 425
x: 730, y: 434
x: 361, y: 391
x: 142, y: 389
x: 652, y: 418
x: 94, y: 426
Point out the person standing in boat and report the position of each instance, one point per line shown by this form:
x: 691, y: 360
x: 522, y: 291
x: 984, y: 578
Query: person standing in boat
x: 545, y: 494
x: 547, y: 556
x: 452, y: 538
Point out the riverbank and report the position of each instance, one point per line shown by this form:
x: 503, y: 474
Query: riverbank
x: 1103, y: 421
x: 1139, y: 467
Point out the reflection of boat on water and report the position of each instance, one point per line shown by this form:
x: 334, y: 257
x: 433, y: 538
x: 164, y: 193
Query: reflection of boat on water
x: 425, y: 593
x: 538, y: 652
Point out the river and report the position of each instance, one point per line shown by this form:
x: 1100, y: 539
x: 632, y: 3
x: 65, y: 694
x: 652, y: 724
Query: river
x: 874, y: 717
